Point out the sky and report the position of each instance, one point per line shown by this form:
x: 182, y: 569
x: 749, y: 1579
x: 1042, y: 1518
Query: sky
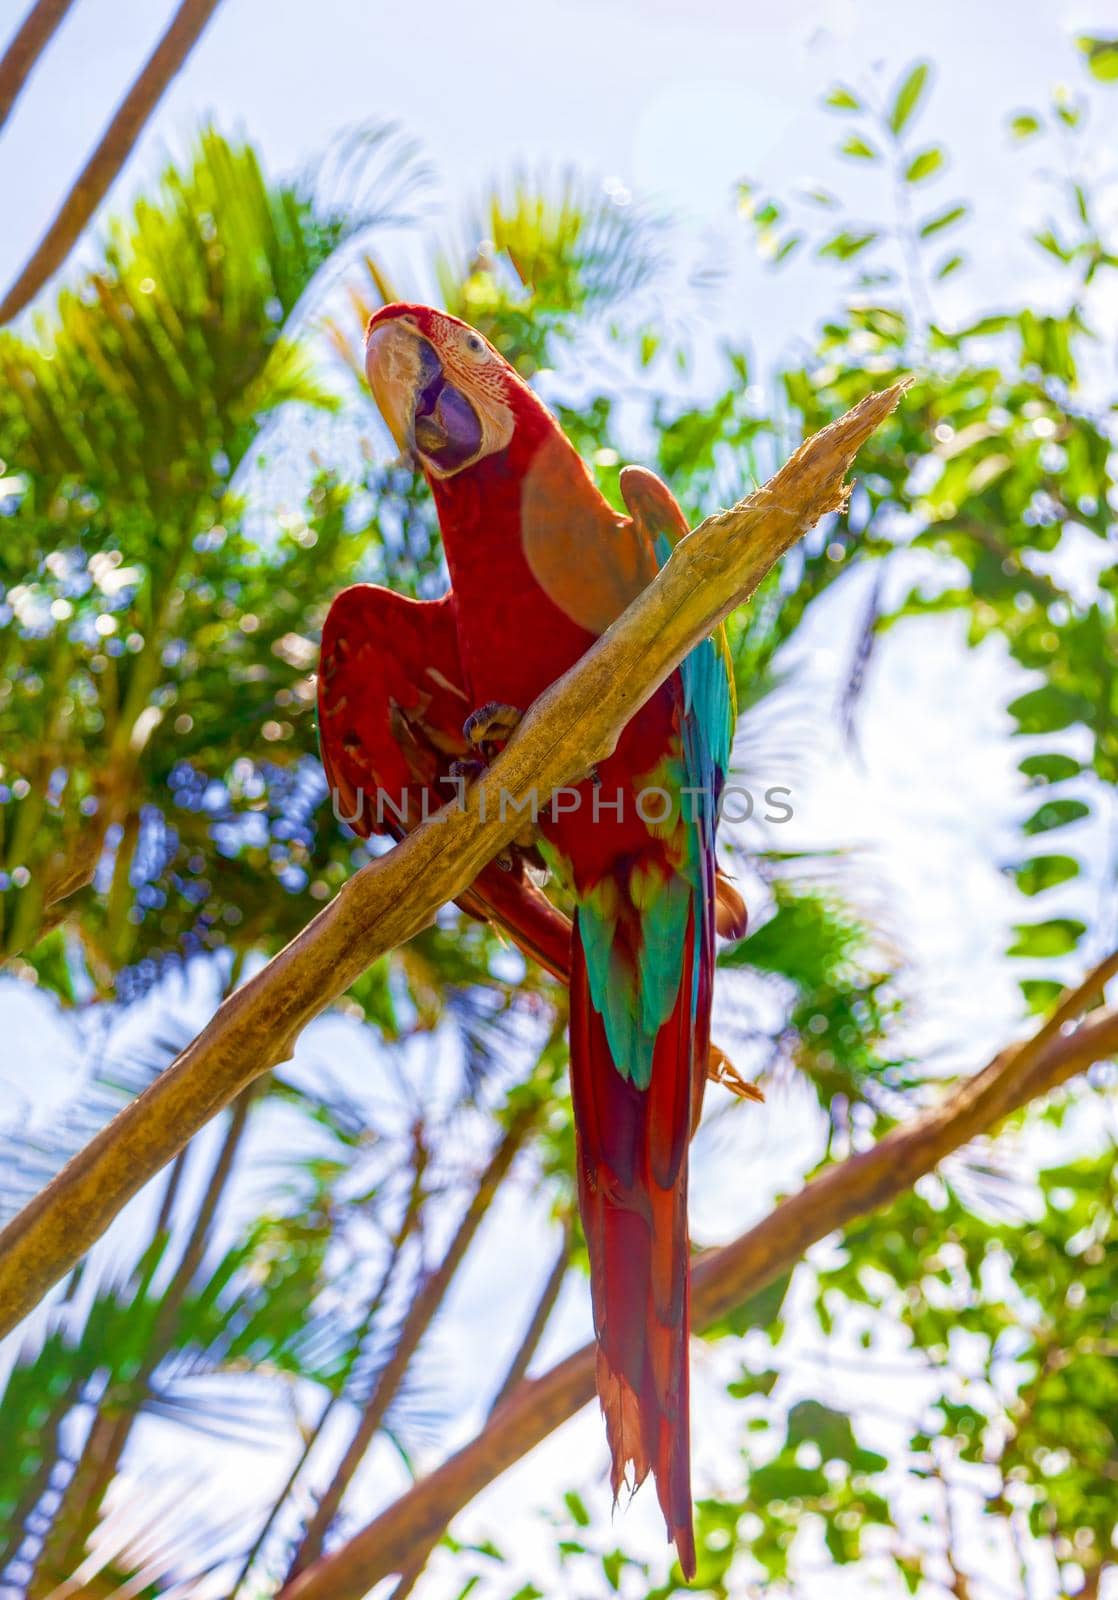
x: 677, y: 103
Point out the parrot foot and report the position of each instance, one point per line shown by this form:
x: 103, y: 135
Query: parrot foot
x: 490, y: 724
x: 464, y: 772
x: 720, y: 1069
x: 486, y: 728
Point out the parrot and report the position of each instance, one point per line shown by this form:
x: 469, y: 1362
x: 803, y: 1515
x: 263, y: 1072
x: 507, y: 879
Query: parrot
x: 413, y: 694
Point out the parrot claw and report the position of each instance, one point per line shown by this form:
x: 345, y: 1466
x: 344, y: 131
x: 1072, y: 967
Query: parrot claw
x: 490, y: 724
x: 720, y: 1069
x: 535, y: 866
x: 465, y: 771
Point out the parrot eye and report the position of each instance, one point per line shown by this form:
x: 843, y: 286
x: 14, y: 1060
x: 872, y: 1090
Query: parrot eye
x: 475, y: 346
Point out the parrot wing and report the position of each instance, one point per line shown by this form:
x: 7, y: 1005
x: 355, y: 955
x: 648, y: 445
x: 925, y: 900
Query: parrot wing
x: 391, y: 704
x: 710, y: 704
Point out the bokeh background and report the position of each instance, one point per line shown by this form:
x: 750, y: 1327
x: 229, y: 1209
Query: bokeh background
x: 702, y: 233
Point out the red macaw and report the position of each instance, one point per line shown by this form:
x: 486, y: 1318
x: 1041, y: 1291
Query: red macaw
x: 540, y: 565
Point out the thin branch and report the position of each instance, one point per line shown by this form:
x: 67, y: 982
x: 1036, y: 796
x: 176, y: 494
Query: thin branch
x: 721, y: 1280
x: 409, y: 1224
x: 117, y: 143
x: 35, y: 33
x: 571, y: 727
x: 421, y: 1313
x: 518, y: 1367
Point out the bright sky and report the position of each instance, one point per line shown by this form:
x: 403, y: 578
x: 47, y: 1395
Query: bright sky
x: 678, y: 102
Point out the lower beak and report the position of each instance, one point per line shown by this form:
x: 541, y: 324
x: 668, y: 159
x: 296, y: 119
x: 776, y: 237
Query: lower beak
x: 425, y: 412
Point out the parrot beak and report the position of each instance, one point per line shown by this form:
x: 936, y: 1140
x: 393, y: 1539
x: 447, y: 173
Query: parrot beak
x: 425, y: 412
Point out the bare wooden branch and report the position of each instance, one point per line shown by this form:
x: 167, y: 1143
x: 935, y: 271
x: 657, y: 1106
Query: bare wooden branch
x: 720, y: 1281
x: 513, y: 1378
x: 429, y: 1297
x: 572, y: 726
x: 35, y: 32
x: 117, y: 143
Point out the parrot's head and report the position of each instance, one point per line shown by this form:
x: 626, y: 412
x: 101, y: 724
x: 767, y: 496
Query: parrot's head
x: 443, y: 390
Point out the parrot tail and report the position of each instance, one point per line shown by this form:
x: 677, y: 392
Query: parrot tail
x: 632, y: 1171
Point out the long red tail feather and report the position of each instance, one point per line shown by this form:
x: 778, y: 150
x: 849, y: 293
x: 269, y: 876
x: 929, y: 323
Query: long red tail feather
x: 632, y: 1170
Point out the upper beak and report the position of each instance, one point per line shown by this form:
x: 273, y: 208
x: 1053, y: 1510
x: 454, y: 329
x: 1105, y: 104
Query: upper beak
x: 393, y: 361
x: 425, y: 412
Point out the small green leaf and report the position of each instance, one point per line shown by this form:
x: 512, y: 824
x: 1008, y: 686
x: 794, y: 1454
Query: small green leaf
x: 1102, y: 57
x: 1040, y: 994
x: 845, y: 245
x: 948, y: 266
x: 1050, y: 768
x: 577, y: 1508
x: 1055, y: 814
x: 818, y: 196
x: 858, y: 148
x: 751, y: 1383
x: 942, y: 219
x: 1055, y: 938
x: 1044, y: 710
x: 1047, y: 240
x: 1024, y: 124
x: 1044, y: 872
x: 908, y: 97
x: 612, y: 1563
x: 843, y: 99
x: 924, y: 164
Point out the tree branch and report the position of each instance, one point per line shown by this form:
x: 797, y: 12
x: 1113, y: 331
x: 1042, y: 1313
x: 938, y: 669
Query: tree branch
x: 35, y: 32
x: 117, y: 143
x: 720, y: 1281
x: 431, y: 1293
x: 570, y: 728
x: 513, y: 1378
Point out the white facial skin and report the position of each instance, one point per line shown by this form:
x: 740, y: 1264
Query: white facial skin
x: 441, y: 392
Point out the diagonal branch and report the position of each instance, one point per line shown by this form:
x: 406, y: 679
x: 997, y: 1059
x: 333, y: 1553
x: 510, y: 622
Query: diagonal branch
x: 513, y: 1378
x: 421, y: 1313
x: 721, y: 1280
x: 35, y: 32
x: 117, y: 143
x: 570, y: 728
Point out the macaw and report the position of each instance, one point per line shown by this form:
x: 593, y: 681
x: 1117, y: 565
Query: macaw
x: 409, y: 691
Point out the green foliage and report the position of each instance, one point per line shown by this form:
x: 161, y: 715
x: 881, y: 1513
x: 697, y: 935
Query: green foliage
x: 1102, y: 57
x: 1021, y: 466
x: 910, y: 91
x: 840, y: 1008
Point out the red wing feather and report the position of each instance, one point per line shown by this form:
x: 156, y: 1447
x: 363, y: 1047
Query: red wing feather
x: 391, y: 704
